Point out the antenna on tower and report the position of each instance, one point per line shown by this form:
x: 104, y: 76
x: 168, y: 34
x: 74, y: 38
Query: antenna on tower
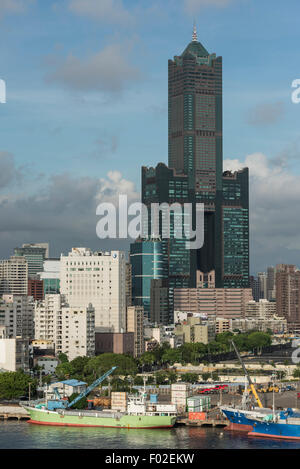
x: 195, y: 37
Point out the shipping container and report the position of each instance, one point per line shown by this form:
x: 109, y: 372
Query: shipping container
x: 197, y: 416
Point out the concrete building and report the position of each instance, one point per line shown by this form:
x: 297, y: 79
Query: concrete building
x: 14, y: 276
x: 213, y: 302
x: 263, y: 309
x: 76, y: 332
x: 128, y: 284
x: 65, y: 388
x: 100, y: 279
x: 271, y: 283
x: 288, y: 294
x: 36, y: 288
x: 118, y: 342
x: 14, y: 353
x: 160, y: 334
x: 135, y: 324
x: 17, y: 314
x: 276, y: 325
x: 48, y: 363
x: 223, y: 325
x: 195, y: 330
x: 71, y: 329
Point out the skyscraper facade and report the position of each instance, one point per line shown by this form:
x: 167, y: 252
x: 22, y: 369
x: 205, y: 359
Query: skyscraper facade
x: 35, y: 254
x: 195, y: 135
x: 147, y: 263
x: 235, y: 231
x: 195, y: 139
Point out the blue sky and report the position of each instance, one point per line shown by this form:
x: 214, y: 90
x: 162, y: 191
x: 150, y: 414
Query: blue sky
x: 70, y: 110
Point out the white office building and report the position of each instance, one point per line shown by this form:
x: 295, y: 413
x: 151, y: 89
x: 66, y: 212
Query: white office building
x: 97, y: 278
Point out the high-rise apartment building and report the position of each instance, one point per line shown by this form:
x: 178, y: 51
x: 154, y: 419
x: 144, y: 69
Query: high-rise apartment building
x: 14, y: 276
x: 17, y: 315
x: 97, y: 278
x: 135, y: 324
x: 271, y: 287
x: 263, y: 309
x: 288, y: 294
x: 71, y: 329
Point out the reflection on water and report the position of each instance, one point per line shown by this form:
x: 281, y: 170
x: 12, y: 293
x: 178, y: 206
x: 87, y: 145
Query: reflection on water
x: 24, y: 435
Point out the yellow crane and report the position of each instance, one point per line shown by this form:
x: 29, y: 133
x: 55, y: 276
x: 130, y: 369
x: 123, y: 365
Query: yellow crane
x: 248, y: 376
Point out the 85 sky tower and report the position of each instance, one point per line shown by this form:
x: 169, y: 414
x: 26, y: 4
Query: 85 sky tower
x: 195, y: 149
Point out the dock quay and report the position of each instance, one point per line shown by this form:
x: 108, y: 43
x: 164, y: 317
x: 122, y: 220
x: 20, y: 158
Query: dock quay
x: 13, y: 413
x: 218, y: 423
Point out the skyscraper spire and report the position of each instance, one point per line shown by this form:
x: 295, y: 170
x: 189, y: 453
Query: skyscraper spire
x: 195, y: 37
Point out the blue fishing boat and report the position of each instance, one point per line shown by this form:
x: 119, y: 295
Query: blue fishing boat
x: 285, y: 425
x: 240, y: 418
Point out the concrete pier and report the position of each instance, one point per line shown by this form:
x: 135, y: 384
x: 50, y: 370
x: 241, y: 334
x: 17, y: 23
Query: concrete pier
x: 203, y: 423
x: 13, y: 413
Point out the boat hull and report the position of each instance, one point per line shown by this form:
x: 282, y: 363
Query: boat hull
x: 238, y: 419
x: 83, y: 419
x: 275, y: 430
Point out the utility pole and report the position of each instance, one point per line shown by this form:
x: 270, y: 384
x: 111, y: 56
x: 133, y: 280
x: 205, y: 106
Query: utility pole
x: 29, y: 393
x: 109, y: 387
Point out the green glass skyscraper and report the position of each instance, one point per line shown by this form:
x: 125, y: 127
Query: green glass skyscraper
x: 195, y: 149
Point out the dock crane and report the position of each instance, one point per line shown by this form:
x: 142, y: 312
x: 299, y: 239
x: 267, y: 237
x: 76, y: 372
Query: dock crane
x: 247, y: 375
x: 91, y: 387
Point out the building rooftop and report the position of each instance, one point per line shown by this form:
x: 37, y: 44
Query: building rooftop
x: 72, y: 382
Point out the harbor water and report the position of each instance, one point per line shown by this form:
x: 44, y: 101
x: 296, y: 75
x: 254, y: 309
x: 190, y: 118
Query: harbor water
x: 22, y: 435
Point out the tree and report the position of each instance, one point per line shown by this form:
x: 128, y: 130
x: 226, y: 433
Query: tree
x: 63, y: 358
x: 189, y: 377
x: 257, y: 340
x: 64, y: 370
x: 81, y: 404
x: 296, y: 373
x: 97, y: 366
x: 147, y: 358
x: 138, y: 381
x: 14, y: 385
x: 205, y: 376
x: 171, y: 356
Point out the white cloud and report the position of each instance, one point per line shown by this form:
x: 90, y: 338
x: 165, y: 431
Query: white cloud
x: 109, y: 70
x: 63, y: 213
x: 274, y: 209
x: 106, y: 11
